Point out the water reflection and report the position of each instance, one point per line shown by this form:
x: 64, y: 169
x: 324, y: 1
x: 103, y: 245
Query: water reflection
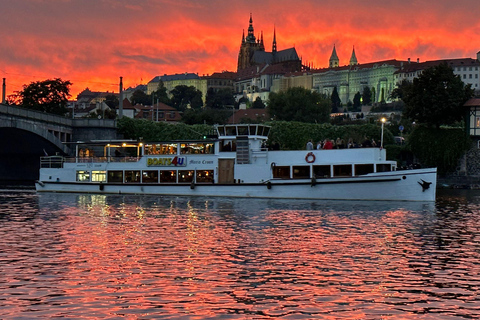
x: 73, y: 255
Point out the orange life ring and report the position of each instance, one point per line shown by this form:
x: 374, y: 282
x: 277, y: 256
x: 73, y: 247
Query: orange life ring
x: 310, y: 157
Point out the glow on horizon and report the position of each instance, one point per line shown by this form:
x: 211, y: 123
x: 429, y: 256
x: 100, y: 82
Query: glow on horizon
x: 92, y: 43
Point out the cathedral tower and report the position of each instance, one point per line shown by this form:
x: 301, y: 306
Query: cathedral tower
x: 353, y: 58
x: 334, y: 61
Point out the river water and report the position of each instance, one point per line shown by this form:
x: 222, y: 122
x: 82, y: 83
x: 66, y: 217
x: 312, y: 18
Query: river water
x: 79, y: 256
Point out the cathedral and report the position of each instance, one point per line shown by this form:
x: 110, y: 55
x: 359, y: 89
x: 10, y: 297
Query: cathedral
x: 252, y: 53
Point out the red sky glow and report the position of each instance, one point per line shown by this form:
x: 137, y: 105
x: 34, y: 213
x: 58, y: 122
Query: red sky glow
x: 94, y: 42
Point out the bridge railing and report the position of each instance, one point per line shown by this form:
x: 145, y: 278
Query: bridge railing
x: 32, y: 114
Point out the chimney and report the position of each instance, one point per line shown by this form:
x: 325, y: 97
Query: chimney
x: 4, y: 87
x: 408, y: 60
x: 418, y: 60
x: 120, y: 99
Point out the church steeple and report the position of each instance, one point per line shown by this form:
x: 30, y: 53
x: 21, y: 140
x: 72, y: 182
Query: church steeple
x: 353, y: 58
x: 243, y: 36
x: 274, y: 44
x: 334, y: 61
x: 250, y: 36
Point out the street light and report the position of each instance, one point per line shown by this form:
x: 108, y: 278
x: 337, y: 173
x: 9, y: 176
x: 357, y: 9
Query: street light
x: 383, y: 120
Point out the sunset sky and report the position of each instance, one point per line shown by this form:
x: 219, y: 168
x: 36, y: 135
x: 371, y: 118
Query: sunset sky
x: 94, y: 42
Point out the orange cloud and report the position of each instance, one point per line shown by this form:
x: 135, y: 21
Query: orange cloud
x: 92, y: 43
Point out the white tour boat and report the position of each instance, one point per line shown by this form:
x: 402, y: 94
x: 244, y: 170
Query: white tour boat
x: 235, y: 164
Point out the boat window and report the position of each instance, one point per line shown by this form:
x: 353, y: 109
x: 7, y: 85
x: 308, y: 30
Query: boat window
x: 83, y: 175
x: 160, y: 148
x: 384, y: 167
x: 361, y: 169
x: 281, y: 172
x: 301, y: 172
x: 342, y: 170
x: 321, y: 172
x: 266, y: 130
x: 132, y: 176
x: 168, y: 176
x: 99, y: 176
x: 115, y: 176
x: 185, y: 175
x: 196, y: 148
x: 231, y: 131
x: 150, y: 176
x: 221, y: 131
x: 242, y: 130
x: 204, y: 176
x: 253, y: 130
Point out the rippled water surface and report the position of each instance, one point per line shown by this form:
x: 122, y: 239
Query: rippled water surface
x: 148, y: 257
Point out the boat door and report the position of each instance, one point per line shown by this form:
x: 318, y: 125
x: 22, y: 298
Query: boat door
x: 225, y: 170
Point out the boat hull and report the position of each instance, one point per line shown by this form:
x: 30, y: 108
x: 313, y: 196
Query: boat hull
x: 408, y: 185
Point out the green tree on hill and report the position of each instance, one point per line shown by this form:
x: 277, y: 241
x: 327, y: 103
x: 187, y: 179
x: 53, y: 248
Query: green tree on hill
x: 436, y: 97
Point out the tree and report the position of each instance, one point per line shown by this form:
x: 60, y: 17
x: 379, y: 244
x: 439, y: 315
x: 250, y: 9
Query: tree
x: 47, y: 96
x: 140, y: 97
x: 436, y: 97
x: 258, y: 104
x: 398, y: 92
x: 219, y: 99
x: 112, y: 102
x: 336, y: 102
x: 161, y: 94
x: 357, y: 101
x: 366, y: 96
x: 299, y: 104
x: 184, y: 97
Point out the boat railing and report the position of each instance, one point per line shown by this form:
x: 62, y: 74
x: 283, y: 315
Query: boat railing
x: 101, y: 159
x: 52, y: 162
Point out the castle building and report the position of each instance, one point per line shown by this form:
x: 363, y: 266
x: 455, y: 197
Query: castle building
x: 252, y: 53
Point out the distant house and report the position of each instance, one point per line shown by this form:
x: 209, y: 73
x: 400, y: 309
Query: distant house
x: 249, y: 116
x: 159, y: 112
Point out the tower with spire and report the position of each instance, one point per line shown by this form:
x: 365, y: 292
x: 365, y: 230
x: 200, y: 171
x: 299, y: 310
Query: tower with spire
x: 334, y: 61
x: 274, y: 44
x: 353, y: 58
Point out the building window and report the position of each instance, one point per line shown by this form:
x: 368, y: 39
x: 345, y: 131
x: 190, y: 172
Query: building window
x: 477, y: 122
x: 464, y: 76
x: 470, y: 76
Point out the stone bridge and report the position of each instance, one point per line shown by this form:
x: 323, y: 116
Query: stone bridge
x: 25, y: 135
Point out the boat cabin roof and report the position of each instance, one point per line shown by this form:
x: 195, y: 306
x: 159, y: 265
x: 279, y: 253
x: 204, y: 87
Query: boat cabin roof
x: 230, y: 131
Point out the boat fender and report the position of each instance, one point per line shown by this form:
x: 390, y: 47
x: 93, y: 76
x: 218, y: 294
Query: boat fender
x: 314, y: 182
x: 101, y: 186
x: 269, y: 185
x: 192, y: 185
x: 310, y: 157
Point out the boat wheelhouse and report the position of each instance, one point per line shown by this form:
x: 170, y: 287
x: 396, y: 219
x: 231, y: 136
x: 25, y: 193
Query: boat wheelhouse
x: 235, y: 163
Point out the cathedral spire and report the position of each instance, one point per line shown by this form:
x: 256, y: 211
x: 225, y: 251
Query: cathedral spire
x: 250, y: 36
x: 353, y: 58
x: 274, y: 44
x: 243, y: 36
x: 334, y: 61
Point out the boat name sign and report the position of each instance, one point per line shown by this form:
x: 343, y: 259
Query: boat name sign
x: 167, y: 162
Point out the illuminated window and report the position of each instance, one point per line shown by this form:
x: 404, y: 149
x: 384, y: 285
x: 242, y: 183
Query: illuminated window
x: 132, y: 176
x: 185, y: 175
x: 196, y: 148
x: 204, y: 176
x: 83, y: 175
x: 477, y: 122
x: 150, y: 176
x: 168, y: 176
x: 160, y: 148
x: 115, y: 176
x: 99, y: 176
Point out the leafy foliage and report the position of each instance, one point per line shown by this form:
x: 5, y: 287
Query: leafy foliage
x: 336, y: 102
x: 299, y: 104
x: 207, y: 116
x: 184, y: 97
x: 161, y: 94
x: 219, y: 99
x: 366, y: 96
x: 436, y: 97
x: 258, y: 104
x: 140, y: 97
x: 48, y: 96
x: 357, y: 101
x: 430, y: 146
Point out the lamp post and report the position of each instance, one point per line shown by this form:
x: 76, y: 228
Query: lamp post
x: 381, y: 140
